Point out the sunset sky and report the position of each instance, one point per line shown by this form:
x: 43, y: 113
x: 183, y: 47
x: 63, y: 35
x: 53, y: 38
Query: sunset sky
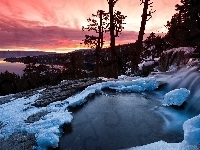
x: 55, y: 25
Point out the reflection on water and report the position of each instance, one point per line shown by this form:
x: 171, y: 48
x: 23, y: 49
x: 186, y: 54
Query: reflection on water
x: 17, y: 68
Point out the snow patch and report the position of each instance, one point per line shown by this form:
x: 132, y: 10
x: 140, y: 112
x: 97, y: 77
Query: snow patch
x: 162, y: 145
x: 191, y: 129
x: 137, y: 85
x: 145, y: 63
x: 172, y: 68
x: 186, y: 50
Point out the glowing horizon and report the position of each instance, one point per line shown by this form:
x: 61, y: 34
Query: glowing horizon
x: 53, y: 25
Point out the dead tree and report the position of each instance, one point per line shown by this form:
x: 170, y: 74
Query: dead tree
x: 138, y: 46
x: 96, y: 41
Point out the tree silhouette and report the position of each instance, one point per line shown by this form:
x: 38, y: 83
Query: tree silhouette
x: 184, y: 27
x: 153, y: 47
x: 115, y: 27
x: 138, y: 46
x: 100, y: 27
x: 96, y: 41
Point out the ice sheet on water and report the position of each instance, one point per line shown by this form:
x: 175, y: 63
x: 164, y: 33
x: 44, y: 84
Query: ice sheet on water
x: 175, y: 97
x: 47, y: 139
x: 48, y: 128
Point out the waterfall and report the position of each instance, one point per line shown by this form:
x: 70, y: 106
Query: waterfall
x: 185, y: 77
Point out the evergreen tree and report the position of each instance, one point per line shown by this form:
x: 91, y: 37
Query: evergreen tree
x: 184, y: 27
x: 114, y: 27
x: 99, y: 26
x: 153, y: 46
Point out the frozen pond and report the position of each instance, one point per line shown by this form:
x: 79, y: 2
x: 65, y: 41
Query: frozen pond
x: 115, y: 121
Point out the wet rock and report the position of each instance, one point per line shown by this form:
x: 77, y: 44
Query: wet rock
x: 36, y: 117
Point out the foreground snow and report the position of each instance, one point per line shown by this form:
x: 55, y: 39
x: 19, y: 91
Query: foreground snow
x: 48, y: 129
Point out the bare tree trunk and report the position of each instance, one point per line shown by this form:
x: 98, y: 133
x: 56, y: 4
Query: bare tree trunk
x: 143, y: 23
x: 112, y: 40
x: 138, y: 47
x: 100, y: 43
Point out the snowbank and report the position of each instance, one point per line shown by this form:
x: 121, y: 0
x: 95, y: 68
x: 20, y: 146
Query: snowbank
x: 162, y: 145
x: 47, y: 129
x: 191, y: 129
x: 137, y: 85
x: 191, y: 138
x: 175, y: 97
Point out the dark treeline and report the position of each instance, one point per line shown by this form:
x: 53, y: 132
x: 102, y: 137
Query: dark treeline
x: 184, y: 26
x: 38, y: 75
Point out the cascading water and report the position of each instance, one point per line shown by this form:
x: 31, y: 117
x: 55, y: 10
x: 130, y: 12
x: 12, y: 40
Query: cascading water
x: 186, y: 77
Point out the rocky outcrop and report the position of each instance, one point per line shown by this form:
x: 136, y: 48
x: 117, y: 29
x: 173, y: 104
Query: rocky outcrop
x: 176, y: 56
x: 63, y: 91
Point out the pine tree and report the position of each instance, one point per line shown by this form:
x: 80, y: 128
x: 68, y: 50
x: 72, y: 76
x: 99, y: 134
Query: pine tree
x: 114, y: 26
x: 96, y: 41
x: 184, y: 27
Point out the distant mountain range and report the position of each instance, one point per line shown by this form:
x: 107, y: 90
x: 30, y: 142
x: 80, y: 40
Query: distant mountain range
x: 9, y: 54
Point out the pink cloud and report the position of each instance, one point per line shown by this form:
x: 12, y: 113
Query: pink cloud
x: 57, y: 23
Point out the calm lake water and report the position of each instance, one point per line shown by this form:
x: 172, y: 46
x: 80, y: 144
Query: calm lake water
x: 11, y: 67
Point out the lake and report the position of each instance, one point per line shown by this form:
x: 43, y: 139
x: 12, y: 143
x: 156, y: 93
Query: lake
x: 17, y: 68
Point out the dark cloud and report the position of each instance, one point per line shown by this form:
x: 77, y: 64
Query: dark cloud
x: 21, y: 34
